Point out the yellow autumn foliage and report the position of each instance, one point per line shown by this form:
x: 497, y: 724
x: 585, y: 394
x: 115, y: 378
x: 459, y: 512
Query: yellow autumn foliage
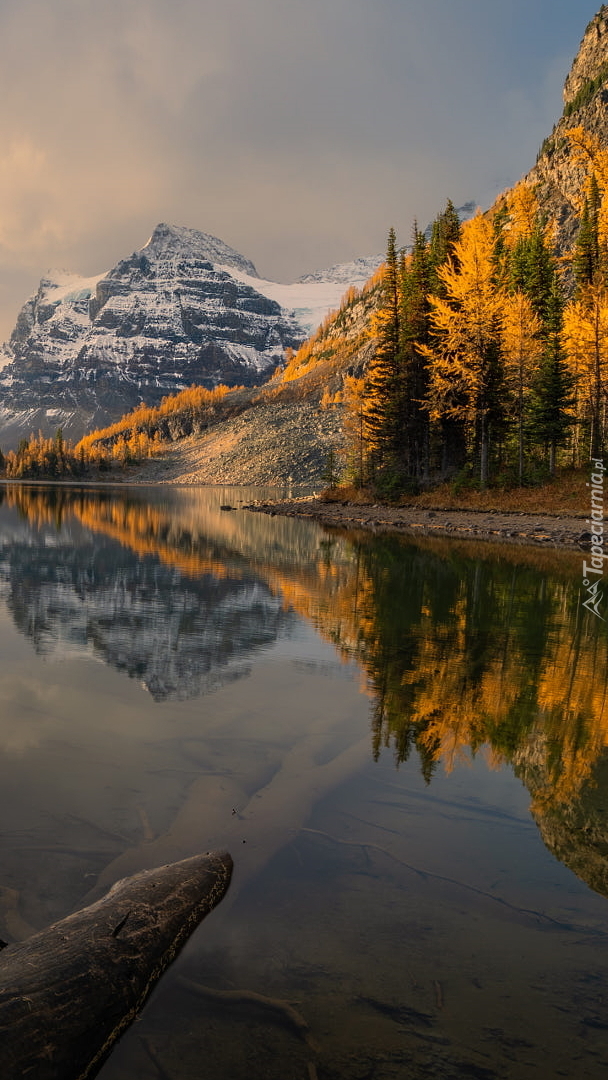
x: 586, y: 343
x: 523, y: 209
x: 142, y: 423
x: 593, y: 159
x: 522, y: 347
x: 464, y: 324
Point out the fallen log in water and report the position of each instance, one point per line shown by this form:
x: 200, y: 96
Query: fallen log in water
x: 68, y: 992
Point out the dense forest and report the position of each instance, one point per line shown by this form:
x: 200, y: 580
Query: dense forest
x: 492, y: 350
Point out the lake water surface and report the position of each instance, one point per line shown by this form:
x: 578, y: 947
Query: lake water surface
x: 403, y: 744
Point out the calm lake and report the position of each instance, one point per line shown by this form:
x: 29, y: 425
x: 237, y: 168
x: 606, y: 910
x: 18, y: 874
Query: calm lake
x: 403, y: 744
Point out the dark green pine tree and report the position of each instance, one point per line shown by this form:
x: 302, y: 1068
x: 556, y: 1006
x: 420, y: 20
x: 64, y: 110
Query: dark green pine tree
x: 501, y: 251
x: 382, y: 379
x: 59, y: 448
x: 516, y: 272
x: 595, y: 203
x: 445, y: 233
x: 413, y: 381
x: 532, y: 270
x: 586, y: 262
x: 495, y: 412
x: 549, y: 417
x: 600, y: 250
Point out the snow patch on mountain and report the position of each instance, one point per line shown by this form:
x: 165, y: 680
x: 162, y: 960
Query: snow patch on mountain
x: 60, y: 286
x: 307, y: 303
x: 311, y: 298
x: 355, y: 272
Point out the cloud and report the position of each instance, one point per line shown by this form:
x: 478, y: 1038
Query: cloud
x: 297, y: 130
x: 28, y: 713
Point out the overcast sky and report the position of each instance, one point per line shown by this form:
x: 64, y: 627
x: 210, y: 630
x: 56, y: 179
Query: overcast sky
x: 298, y: 131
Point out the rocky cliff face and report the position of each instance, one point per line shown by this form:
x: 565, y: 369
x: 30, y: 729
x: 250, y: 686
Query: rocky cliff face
x: 556, y: 177
x: 184, y: 309
x: 592, y: 54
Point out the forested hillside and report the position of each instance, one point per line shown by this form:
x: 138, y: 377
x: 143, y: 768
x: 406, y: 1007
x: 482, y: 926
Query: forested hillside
x: 492, y: 355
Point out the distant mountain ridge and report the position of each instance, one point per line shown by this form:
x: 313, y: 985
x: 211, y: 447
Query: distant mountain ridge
x: 186, y: 308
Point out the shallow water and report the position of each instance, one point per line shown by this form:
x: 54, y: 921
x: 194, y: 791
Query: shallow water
x: 402, y: 744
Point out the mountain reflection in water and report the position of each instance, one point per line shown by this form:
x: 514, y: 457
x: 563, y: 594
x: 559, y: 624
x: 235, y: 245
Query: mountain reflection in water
x: 181, y: 634
x: 467, y: 654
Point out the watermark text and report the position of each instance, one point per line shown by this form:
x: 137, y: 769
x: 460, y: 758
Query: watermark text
x: 594, y: 569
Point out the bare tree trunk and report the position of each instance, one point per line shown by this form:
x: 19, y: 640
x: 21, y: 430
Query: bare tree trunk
x: 485, y: 450
x: 521, y: 447
x: 69, y: 992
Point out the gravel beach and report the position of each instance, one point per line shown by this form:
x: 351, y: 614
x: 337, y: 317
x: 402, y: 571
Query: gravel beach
x: 540, y: 530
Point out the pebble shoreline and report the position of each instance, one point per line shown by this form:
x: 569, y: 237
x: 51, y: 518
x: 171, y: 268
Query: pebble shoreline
x: 542, y: 530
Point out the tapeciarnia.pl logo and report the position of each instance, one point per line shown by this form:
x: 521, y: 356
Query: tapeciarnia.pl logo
x: 593, y: 571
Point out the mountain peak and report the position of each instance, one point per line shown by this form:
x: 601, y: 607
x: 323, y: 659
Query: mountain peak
x: 169, y: 241
x: 591, y: 60
x: 557, y: 177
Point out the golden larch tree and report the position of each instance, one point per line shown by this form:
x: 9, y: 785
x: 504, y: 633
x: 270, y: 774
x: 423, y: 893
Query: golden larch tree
x: 586, y: 344
x: 465, y: 329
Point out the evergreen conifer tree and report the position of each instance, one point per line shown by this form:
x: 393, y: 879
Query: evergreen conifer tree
x: 532, y: 270
x: 413, y: 383
x: 552, y: 400
x: 586, y: 250
x: 595, y: 206
x: 522, y: 348
x: 445, y: 234
x: 501, y: 250
x: 381, y: 385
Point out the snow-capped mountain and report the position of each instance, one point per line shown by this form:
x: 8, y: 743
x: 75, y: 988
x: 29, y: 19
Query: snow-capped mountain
x: 186, y: 308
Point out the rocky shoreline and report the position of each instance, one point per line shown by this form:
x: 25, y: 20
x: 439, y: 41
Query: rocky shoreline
x: 542, y: 530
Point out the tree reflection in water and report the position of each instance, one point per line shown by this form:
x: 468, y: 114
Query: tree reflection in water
x: 468, y: 653
x: 465, y: 649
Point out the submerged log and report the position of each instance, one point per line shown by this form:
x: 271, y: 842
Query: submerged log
x: 68, y: 992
